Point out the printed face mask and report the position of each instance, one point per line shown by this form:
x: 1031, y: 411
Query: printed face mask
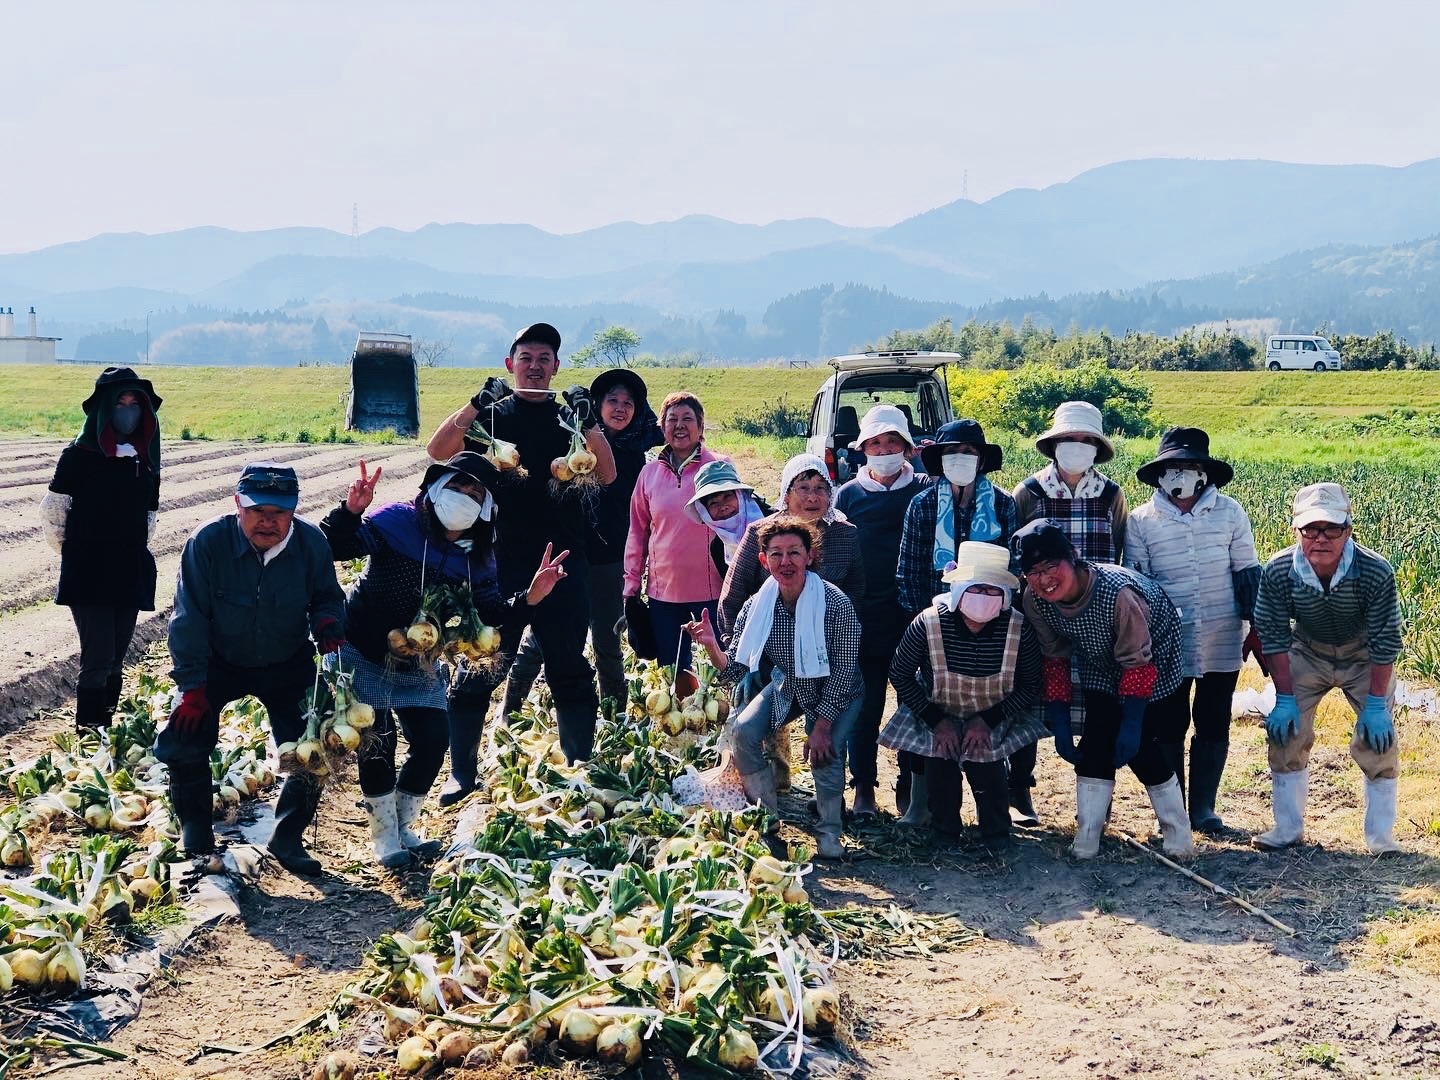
x: 1182, y: 483
x: 456, y: 510
x: 980, y: 607
x: 885, y: 464
x: 960, y: 469
x: 1074, y: 457
x: 125, y: 419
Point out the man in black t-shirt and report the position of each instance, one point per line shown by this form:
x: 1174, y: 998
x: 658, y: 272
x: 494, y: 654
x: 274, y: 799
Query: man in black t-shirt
x: 533, y: 514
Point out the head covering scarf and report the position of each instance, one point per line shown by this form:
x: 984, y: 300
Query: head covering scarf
x: 99, y: 435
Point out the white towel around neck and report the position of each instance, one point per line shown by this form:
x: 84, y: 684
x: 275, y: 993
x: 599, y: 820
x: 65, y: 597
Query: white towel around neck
x: 812, y: 659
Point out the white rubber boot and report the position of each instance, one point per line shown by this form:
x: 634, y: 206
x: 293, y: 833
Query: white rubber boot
x: 1092, y: 804
x: 385, y: 831
x: 407, y: 812
x: 918, y: 812
x: 1290, y: 792
x: 1380, y: 800
x: 1169, y: 803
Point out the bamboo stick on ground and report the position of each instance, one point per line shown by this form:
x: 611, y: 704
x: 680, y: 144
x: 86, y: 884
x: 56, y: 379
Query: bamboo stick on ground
x: 1220, y: 890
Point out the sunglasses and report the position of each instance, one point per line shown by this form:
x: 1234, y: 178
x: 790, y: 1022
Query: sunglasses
x: 279, y: 483
x: 1329, y: 532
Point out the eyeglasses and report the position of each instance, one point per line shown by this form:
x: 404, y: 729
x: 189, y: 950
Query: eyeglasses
x: 1329, y: 532
x: 1048, y: 567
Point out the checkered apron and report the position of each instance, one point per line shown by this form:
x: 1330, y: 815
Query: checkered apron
x: 407, y: 687
x: 1092, y: 632
x: 962, y: 696
x: 1085, y: 521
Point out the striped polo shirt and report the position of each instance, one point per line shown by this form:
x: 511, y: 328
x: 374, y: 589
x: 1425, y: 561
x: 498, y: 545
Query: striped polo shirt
x: 1363, y: 606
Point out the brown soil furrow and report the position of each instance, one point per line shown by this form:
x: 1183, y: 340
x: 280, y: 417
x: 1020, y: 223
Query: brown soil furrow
x: 193, y: 493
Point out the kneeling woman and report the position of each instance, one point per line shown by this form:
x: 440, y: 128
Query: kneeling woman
x: 444, y: 536
x: 1125, y: 634
x: 967, y: 676
x: 807, y: 629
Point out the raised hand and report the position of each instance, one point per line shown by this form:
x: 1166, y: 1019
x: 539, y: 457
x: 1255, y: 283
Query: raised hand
x: 362, y: 491
x: 701, y: 631
x: 547, y: 575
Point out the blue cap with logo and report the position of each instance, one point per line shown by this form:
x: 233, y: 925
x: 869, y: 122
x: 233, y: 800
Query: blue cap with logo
x: 268, y: 483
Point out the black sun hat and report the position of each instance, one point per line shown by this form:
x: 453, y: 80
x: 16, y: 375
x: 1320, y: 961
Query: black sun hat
x: 958, y: 433
x: 606, y: 381
x: 467, y: 463
x: 1180, y: 446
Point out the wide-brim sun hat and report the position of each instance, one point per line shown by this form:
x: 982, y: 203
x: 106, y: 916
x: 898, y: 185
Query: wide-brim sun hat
x: 978, y: 563
x: 880, y: 420
x: 606, y: 381
x: 1181, y: 446
x: 120, y: 379
x: 715, y: 477
x: 1077, y: 421
x: 960, y: 433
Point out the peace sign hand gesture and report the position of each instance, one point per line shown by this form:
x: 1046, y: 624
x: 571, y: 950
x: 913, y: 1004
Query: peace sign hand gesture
x: 362, y: 491
x: 547, y: 575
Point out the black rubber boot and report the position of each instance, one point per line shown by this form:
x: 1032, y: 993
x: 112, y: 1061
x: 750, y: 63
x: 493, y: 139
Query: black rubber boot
x: 992, y: 802
x: 577, y: 730
x: 192, y: 799
x: 113, y: 685
x: 466, y: 727
x: 1020, y: 770
x: 514, y: 698
x: 902, y: 783
x: 946, y: 793
x: 1174, y: 755
x: 1207, y: 766
x: 90, y: 711
x: 294, y: 810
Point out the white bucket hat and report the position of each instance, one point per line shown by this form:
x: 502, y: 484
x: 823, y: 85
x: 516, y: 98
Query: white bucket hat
x: 1075, y: 419
x: 978, y: 563
x: 879, y: 420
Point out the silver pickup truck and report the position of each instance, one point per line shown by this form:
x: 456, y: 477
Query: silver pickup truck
x: 914, y: 381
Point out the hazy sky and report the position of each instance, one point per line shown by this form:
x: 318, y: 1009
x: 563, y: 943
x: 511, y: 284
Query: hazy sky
x: 150, y: 116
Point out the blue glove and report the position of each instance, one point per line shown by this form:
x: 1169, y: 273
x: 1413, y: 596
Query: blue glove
x: 1127, y: 739
x: 1284, y: 720
x: 1375, y: 724
x: 1057, y: 719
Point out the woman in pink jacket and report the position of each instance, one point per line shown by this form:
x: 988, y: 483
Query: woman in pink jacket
x: 667, y: 547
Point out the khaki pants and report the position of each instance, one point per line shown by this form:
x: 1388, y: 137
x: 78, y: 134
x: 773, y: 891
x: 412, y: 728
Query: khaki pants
x: 1316, y: 670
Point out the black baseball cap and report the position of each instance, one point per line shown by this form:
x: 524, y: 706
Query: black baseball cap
x: 268, y: 483
x: 541, y: 332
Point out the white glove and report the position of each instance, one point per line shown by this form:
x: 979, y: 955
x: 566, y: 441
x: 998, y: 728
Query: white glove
x: 54, y: 509
x: 150, y: 520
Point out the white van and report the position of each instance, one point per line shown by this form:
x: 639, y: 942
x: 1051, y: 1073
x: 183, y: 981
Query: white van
x: 1300, y: 352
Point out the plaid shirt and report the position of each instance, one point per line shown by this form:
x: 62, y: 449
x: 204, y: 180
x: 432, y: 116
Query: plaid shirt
x: 840, y: 563
x: 915, y: 573
x: 826, y: 697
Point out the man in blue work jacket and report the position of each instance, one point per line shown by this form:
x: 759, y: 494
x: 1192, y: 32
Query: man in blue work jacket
x: 256, y: 598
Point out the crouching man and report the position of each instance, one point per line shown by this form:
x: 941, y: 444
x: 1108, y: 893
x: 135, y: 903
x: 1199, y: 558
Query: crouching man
x: 1328, y: 616
x: 254, y: 587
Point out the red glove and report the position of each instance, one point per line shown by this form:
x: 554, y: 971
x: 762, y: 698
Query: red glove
x: 1252, y: 648
x: 194, y: 706
x: 328, y: 637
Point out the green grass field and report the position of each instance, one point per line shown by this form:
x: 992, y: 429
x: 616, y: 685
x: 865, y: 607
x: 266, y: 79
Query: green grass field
x: 1376, y: 432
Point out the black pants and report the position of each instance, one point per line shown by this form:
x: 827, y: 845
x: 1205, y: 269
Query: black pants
x: 945, y: 794
x: 863, y: 750
x: 279, y: 688
x: 105, y: 634
x: 1021, y: 767
x: 1102, y: 726
x: 1210, y: 708
x: 560, y: 625
x: 428, y: 733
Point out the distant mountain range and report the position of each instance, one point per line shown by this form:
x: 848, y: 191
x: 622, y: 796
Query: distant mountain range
x: 1326, y: 243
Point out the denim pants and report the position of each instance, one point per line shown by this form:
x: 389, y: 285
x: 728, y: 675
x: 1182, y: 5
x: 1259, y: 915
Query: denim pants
x: 670, y: 640
x: 753, y: 727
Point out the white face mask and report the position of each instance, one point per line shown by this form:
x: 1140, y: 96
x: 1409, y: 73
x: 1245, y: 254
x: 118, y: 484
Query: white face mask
x: 456, y: 510
x: 1074, y: 457
x: 980, y: 607
x: 960, y: 469
x: 1182, y: 483
x: 885, y: 464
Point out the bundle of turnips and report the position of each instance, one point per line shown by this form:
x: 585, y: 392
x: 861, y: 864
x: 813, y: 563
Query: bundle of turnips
x: 577, y: 466
x: 335, y: 722
x: 505, y: 456
x: 677, y: 703
x: 463, y: 632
